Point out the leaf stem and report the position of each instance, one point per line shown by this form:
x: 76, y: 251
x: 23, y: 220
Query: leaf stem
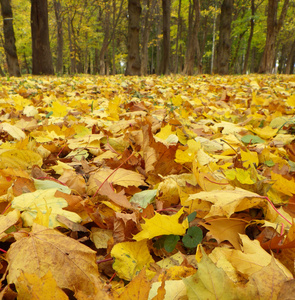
x: 265, y: 197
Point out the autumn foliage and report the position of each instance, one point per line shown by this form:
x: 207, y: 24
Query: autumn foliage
x: 147, y: 187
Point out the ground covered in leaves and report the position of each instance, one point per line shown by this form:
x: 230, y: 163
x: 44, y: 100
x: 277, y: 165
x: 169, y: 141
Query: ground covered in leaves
x: 147, y: 187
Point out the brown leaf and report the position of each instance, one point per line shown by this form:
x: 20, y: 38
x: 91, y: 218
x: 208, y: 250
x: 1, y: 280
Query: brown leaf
x: 138, y: 288
x: 71, y: 263
x: 118, y: 198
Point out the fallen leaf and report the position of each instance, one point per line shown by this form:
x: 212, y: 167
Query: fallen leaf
x: 130, y: 258
x: 30, y: 286
x: 138, y: 288
x: 47, y: 250
x: 162, y: 225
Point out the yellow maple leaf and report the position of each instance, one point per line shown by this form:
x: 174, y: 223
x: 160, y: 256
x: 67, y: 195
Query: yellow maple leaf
x: 162, y: 225
x: 130, y: 258
x: 31, y: 286
x: 249, y: 157
x: 188, y: 155
x: 243, y: 176
x: 266, y: 132
x: 282, y: 184
x: 59, y: 110
x: 138, y: 288
x: 251, y: 260
x: 291, y: 100
x: 114, y: 108
x: 226, y: 202
x: 20, y: 159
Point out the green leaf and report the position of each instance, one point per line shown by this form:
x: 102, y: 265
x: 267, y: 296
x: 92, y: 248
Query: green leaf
x: 193, y: 237
x: 49, y: 114
x: 269, y: 163
x: 170, y: 242
x: 144, y: 198
x: 159, y: 243
x: 191, y: 216
x: 252, y: 139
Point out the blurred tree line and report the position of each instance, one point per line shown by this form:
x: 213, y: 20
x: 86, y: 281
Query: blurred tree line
x: 140, y: 37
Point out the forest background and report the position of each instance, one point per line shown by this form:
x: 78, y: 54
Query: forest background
x: 146, y: 37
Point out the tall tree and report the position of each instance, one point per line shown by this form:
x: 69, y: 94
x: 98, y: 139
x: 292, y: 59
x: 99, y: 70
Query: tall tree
x: 273, y: 27
x: 166, y: 6
x: 133, y: 61
x: 224, y: 45
x: 41, y: 54
x: 105, y: 43
x: 149, y: 6
x: 253, y: 9
x: 179, y: 21
x: 290, y: 60
x: 193, y: 48
x: 60, y: 40
x: 9, y: 39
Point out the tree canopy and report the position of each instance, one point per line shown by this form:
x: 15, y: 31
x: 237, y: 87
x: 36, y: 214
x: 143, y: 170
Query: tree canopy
x: 216, y: 36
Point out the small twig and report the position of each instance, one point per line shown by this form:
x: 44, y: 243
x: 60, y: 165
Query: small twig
x: 52, y: 179
x: 229, y: 145
x: 2, y: 250
x: 265, y: 197
x: 113, y: 276
x: 219, y: 183
x: 6, y: 208
x: 104, y: 260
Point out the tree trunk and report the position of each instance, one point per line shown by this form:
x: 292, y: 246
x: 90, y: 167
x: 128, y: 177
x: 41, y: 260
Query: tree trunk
x: 178, y: 36
x: 105, y: 43
x: 149, y: 7
x: 113, y: 38
x: 193, y: 45
x: 9, y: 40
x: 250, y: 36
x: 166, y: 6
x: 158, y: 53
x: 224, y: 45
x: 273, y: 27
x: 290, y: 58
x: 41, y: 54
x: 72, y: 52
x: 133, y: 61
x: 60, y: 40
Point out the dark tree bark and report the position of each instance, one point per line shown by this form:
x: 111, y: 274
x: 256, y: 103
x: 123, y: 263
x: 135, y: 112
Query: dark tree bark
x: 133, y: 61
x: 250, y: 36
x: 1, y: 72
x: 72, y: 51
x: 9, y: 39
x: 149, y: 7
x: 178, y: 36
x: 159, y: 31
x: 60, y: 40
x: 105, y: 43
x: 42, y: 59
x: 193, y: 48
x: 273, y: 27
x: 224, y: 45
x: 290, y: 59
x: 166, y: 6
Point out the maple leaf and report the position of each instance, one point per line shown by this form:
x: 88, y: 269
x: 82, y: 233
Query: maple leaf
x: 211, y: 282
x: 138, y: 288
x: 226, y: 230
x: 47, y: 250
x: 162, y: 225
x: 43, y: 201
x: 31, y: 286
x: 130, y: 258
